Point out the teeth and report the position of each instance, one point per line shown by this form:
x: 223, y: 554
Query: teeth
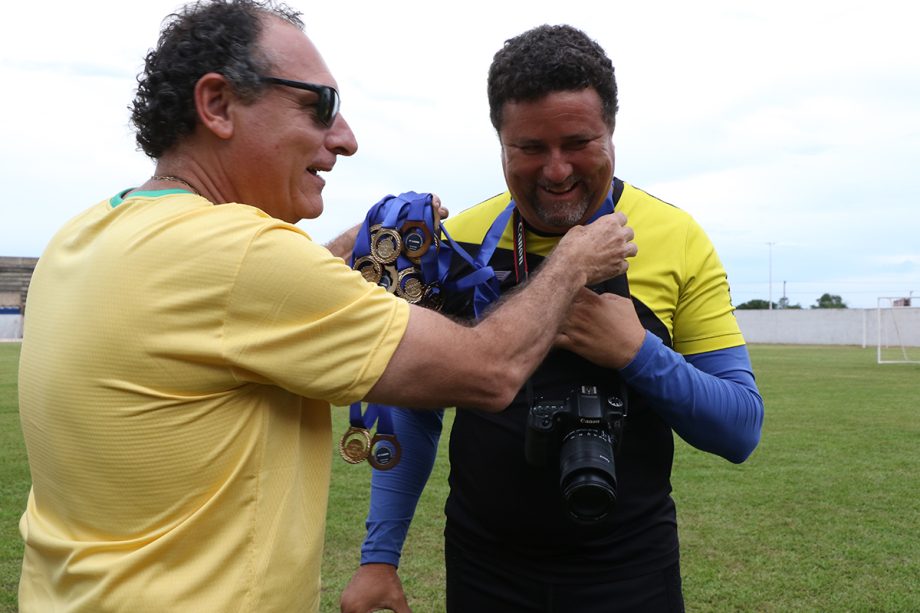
x: 560, y: 188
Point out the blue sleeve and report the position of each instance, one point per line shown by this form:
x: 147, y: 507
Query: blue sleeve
x: 709, y: 399
x: 395, y: 492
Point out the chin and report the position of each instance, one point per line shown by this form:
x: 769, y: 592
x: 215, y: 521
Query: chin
x: 311, y: 209
x: 566, y: 221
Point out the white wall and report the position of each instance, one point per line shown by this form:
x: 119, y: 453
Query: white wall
x: 10, y: 326
x: 830, y: 326
x: 779, y: 326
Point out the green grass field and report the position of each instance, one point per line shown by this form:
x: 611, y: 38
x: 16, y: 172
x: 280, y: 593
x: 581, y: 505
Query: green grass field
x: 824, y: 517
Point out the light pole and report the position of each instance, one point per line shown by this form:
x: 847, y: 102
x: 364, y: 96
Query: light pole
x: 770, y: 282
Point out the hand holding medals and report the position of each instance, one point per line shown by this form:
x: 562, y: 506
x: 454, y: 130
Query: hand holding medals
x: 397, y: 248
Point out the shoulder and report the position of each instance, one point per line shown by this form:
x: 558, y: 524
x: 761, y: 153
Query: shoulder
x: 657, y: 221
x: 641, y: 205
x: 469, y: 225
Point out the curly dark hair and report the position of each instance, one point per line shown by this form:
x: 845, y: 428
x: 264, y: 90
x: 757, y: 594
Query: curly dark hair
x: 549, y: 59
x: 205, y: 36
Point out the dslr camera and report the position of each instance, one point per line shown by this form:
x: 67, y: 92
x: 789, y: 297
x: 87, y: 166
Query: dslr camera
x: 582, y: 432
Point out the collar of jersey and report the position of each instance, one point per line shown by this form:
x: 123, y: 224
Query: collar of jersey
x: 153, y: 193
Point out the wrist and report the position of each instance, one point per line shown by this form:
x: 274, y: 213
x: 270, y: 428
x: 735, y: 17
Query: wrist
x: 646, y: 353
x: 566, y: 269
x: 380, y: 558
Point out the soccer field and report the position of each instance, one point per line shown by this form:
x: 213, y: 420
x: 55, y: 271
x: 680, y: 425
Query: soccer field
x: 823, y: 517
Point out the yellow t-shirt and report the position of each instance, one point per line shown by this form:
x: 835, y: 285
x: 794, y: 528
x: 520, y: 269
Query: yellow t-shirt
x: 177, y: 366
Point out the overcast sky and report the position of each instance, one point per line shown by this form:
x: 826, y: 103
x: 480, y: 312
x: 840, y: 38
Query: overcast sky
x: 789, y: 130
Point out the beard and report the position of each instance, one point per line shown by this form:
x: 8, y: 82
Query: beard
x: 561, y: 213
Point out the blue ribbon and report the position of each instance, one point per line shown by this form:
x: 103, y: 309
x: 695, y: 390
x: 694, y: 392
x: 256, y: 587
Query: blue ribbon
x: 393, y: 211
x: 379, y: 413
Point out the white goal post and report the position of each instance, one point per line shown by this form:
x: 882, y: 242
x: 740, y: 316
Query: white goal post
x: 898, y: 325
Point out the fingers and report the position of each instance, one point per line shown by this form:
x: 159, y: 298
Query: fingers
x: 563, y: 342
x: 618, y: 241
x: 631, y: 248
x: 586, y: 296
x: 440, y: 208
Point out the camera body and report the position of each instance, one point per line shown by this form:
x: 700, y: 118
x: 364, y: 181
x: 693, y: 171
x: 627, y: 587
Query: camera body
x: 582, y: 432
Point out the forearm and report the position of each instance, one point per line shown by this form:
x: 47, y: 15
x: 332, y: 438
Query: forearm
x: 527, y: 318
x: 490, y: 361
x: 395, y: 493
x: 710, y: 400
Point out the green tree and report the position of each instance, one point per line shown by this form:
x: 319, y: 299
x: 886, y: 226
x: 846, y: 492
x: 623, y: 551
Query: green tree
x: 757, y: 303
x: 829, y: 301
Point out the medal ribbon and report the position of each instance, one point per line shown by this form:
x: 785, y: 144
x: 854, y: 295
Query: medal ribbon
x: 379, y: 413
x: 392, y: 212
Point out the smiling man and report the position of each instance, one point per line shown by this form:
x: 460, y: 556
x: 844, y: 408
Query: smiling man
x: 561, y: 503
x: 184, y: 339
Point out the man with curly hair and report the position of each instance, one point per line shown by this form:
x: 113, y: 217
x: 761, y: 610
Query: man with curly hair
x: 185, y: 339
x: 561, y: 503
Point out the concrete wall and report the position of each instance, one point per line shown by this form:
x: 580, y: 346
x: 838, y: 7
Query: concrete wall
x: 10, y: 327
x: 830, y: 326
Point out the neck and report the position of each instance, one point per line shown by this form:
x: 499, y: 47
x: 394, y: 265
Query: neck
x: 166, y: 178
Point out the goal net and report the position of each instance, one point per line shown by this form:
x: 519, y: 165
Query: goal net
x: 898, y: 330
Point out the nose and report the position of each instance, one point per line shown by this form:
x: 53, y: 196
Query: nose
x: 556, y: 168
x: 340, y: 139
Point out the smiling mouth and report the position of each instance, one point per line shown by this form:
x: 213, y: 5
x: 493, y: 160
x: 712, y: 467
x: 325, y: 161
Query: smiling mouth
x: 555, y: 191
x: 560, y: 189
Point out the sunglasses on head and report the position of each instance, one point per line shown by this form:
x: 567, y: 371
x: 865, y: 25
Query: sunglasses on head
x: 327, y: 107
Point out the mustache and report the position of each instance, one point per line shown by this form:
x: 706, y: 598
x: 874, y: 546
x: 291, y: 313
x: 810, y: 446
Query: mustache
x: 562, y: 186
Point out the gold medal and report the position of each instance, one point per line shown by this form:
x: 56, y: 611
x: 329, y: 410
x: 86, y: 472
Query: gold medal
x: 432, y: 299
x: 355, y: 445
x: 385, y: 451
x: 416, y: 238
x: 369, y: 268
x: 389, y: 278
x: 386, y: 245
x: 409, y: 286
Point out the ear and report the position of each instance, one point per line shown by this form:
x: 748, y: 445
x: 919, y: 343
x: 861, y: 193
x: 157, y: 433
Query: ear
x: 213, y: 98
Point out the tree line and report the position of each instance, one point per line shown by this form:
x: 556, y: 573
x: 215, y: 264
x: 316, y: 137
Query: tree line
x: 826, y: 301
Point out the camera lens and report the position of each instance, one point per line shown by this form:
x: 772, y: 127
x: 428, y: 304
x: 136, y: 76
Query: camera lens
x: 587, y: 474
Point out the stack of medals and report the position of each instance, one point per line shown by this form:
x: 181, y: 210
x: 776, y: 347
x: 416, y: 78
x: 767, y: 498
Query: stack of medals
x: 390, y: 249
x: 396, y: 248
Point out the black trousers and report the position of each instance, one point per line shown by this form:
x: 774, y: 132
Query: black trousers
x: 480, y: 586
